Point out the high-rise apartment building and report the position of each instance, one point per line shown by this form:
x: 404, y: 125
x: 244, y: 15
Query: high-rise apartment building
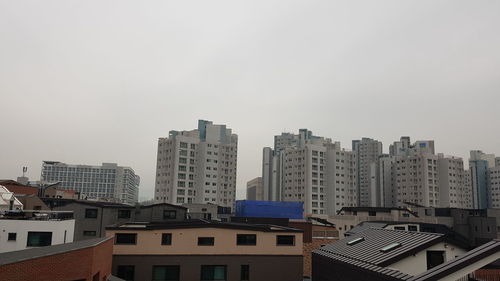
x: 479, y: 165
x: 255, y: 189
x: 197, y: 166
x: 414, y: 174
x: 106, y: 182
x: 368, y: 152
x: 310, y: 169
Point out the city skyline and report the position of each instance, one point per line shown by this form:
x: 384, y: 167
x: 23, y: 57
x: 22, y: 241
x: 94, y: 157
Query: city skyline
x: 105, y: 90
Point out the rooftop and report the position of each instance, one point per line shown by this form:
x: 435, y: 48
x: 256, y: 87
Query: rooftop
x: 201, y: 224
x: 28, y: 254
x: 373, y: 246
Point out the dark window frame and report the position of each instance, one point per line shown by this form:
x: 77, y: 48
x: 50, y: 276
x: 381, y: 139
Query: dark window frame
x: 177, y: 268
x: 280, y: 242
x: 167, y: 214
x: 12, y: 236
x: 245, y: 272
x: 88, y: 233
x: 48, y: 234
x: 166, y: 238
x: 119, y: 236
x: 212, y: 268
x: 242, y: 239
x: 89, y: 213
x: 124, y: 267
x: 202, y: 241
x: 124, y: 214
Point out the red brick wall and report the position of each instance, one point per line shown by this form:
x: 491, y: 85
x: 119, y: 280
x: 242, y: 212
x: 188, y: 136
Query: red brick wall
x: 74, y: 265
x: 308, y: 248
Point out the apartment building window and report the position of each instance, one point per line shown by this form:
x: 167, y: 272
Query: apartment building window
x: 245, y: 272
x: 285, y: 240
x: 124, y: 214
x: 213, y: 272
x: 39, y: 239
x: 89, y: 233
x: 246, y: 239
x: 206, y: 241
x: 126, y: 272
x: 166, y: 238
x: 90, y: 213
x: 125, y: 238
x: 166, y: 273
x: 169, y: 214
x: 12, y: 236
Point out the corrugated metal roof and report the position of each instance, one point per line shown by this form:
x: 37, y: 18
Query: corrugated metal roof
x: 364, y: 226
x: 368, y: 251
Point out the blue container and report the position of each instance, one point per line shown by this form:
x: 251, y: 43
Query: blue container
x: 269, y: 209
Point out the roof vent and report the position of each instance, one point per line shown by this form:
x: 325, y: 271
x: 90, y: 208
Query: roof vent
x: 390, y: 247
x: 356, y: 241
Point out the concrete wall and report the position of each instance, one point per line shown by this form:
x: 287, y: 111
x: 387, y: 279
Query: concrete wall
x: 185, y: 241
x: 262, y: 268
x: 417, y: 263
x: 62, y: 232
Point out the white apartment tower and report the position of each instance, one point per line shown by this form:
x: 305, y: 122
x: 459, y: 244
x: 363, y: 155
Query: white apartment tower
x: 414, y: 174
x: 310, y: 169
x: 106, y: 182
x: 197, y: 166
x: 368, y: 152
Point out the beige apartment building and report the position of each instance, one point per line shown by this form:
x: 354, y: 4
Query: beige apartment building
x: 197, y: 166
x: 255, y: 189
x: 203, y: 250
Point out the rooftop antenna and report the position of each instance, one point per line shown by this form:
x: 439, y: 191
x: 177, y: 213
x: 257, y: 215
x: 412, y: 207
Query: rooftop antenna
x: 25, y: 169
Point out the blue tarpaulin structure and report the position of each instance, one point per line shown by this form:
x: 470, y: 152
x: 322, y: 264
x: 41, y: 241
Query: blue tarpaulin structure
x: 269, y: 209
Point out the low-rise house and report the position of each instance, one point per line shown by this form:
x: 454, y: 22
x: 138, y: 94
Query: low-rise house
x: 8, y: 201
x: 19, y: 231
x: 92, y: 217
x: 85, y: 260
x: 381, y: 254
x: 18, y: 188
x: 206, y: 250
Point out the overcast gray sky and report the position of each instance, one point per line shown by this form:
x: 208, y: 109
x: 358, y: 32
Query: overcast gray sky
x: 86, y: 82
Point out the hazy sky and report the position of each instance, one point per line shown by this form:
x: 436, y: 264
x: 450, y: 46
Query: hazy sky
x: 86, y: 82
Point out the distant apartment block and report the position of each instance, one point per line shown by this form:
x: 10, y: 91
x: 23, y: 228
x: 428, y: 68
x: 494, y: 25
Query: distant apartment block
x: 204, y: 250
x: 310, y: 169
x: 255, y: 189
x: 197, y: 166
x: 484, y: 172
x: 414, y: 173
x: 106, y: 182
x: 368, y: 152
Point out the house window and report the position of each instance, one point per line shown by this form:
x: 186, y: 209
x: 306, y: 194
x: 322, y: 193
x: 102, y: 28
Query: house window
x: 372, y: 213
x: 126, y: 272
x: 412, y: 228
x: 125, y: 238
x: 12, y: 236
x: 124, y: 214
x: 245, y: 272
x: 89, y: 233
x: 90, y: 213
x: 166, y: 238
x: 205, y: 241
x: 166, y: 273
x: 434, y: 258
x: 213, y: 272
x: 39, y: 239
x: 246, y: 239
x: 169, y: 214
x: 399, y: 228
x: 285, y: 240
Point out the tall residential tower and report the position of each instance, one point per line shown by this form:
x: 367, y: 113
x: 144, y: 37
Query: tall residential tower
x: 197, y: 166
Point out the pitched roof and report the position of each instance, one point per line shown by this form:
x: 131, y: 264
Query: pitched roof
x: 475, y: 255
x: 369, y: 250
x: 28, y: 254
x: 63, y: 201
x: 17, y: 188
